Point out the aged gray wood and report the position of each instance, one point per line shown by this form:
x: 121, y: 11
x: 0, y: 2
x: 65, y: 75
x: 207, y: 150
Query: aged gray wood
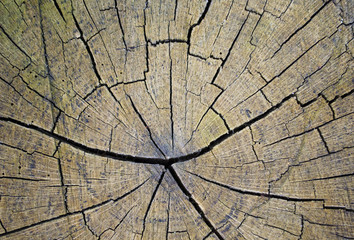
x: 208, y: 119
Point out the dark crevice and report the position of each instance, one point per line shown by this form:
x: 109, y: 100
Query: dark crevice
x: 99, y: 33
x: 307, y: 131
x: 323, y: 140
x: 19, y: 8
x: 146, y: 126
x: 80, y: 146
x: 166, y: 41
x: 290, y: 137
x: 282, y: 229
x: 230, y: 49
x: 39, y: 94
x: 121, y: 26
x: 120, y: 222
x: 2, y: 225
x: 88, y: 227
x: 56, y: 121
x: 59, y: 10
x: 131, y: 191
x: 15, y: 90
x: 88, y: 49
x: 108, y: 89
x: 338, y: 208
x: 331, y: 177
x: 189, y: 35
x: 344, y: 237
x: 171, y: 98
x: 23, y: 179
x: 216, y: 85
x: 49, y: 75
x: 300, y: 28
x: 161, y: 161
x: 131, y: 158
x: 320, y: 224
x: 221, y: 27
x: 131, y: 82
x: 303, y: 105
x: 151, y: 201
x: 222, y: 118
x: 265, y: 97
x: 302, y: 226
x: 14, y: 43
x: 205, y: 113
x: 197, y: 56
x: 342, y: 96
x: 64, y: 187
x: 295, y: 61
x: 208, y: 235
x: 168, y: 216
x: 38, y: 223
x: 225, y: 136
x: 73, y: 213
x: 175, y: 12
x: 254, y: 193
x: 194, y: 202
x: 22, y: 150
x: 216, y: 75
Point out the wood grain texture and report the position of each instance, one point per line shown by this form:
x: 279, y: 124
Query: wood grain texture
x: 203, y: 119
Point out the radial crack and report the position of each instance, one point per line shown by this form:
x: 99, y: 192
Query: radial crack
x: 88, y: 49
x: 300, y: 28
x: 151, y: 201
x: 194, y: 202
x: 255, y: 193
x: 76, y: 212
x: 146, y: 126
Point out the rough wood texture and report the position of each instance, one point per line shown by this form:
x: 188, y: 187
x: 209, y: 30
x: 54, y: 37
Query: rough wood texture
x: 205, y: 119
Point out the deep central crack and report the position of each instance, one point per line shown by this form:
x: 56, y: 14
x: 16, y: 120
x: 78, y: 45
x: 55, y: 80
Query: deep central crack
x: 167, y: 162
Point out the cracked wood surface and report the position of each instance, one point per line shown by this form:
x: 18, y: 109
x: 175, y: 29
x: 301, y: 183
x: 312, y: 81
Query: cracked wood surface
x: 213, y: 119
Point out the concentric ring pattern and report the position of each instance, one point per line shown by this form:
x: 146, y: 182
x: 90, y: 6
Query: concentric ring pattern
x: 203, y: 119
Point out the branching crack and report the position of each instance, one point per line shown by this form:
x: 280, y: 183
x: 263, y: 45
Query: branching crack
x: 88, y: 227
x: 2, y: 225
x: 88, y: 49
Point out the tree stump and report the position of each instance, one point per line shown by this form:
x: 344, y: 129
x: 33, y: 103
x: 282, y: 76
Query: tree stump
x: 213, y: 119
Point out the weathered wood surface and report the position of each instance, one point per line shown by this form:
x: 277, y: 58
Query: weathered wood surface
x: 216, y: 119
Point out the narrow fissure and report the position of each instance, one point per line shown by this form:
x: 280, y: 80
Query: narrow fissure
x: 254, y: 193
x: 93, y: 62
x: 194, y: 202
x: 171, y: 99
x: 146, y: 126
x: 74, y: 213
x: 151, y: 201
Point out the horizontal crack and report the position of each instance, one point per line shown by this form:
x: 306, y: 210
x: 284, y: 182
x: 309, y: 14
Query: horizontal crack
x: 86, y: 149
x: 254, y: 193
x: 136, y: 159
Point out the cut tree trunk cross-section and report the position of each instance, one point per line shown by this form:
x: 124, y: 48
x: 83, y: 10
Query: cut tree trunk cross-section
x: 202, y: 119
